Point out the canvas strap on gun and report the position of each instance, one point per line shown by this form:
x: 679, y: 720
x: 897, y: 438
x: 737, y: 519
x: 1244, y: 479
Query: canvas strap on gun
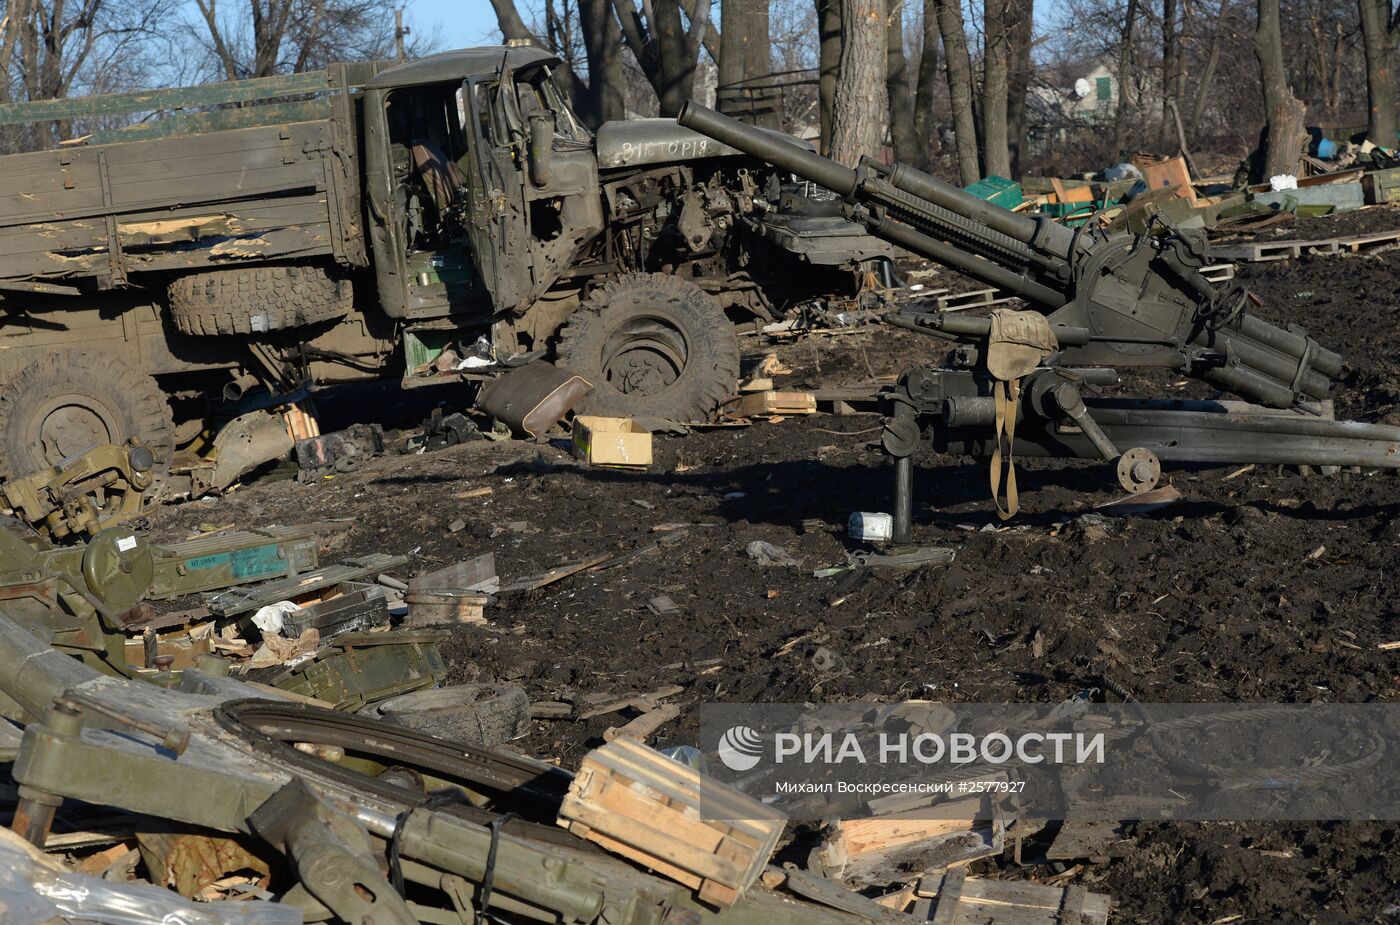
x: 1017, y: 343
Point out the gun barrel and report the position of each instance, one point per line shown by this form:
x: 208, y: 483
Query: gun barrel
x: 769, y: 146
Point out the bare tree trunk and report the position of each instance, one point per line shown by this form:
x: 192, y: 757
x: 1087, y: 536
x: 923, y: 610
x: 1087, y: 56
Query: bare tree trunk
x: 1379, y: 29
x: 859, y: 109
x: 1122, y: 112
x: 1283, y: 110
x: 959, y: 66
x: 729, y: 96
x: 829, y: 63
x: 1171, y: 52
x: 1021, y: 28
x: 677, y: 57
x: 758, y: 64
x: 925, y: 125
x: 1207, y: 78
x: 897, y: 86
x: 603, y: 43
x: 996, y: 65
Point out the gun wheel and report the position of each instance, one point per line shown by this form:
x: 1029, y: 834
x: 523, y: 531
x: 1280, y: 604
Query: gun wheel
x: 1139, y: 470
x: 652, y: 346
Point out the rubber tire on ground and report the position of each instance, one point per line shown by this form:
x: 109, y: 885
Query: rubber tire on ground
x: 255, y: 300
x: 479, y: 714
x: 101, y: 391
x: 711, y: 367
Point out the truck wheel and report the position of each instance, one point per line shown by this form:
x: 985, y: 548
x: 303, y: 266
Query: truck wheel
x: 71, y: 401
x: 255, y: 300
x: 653, y: 346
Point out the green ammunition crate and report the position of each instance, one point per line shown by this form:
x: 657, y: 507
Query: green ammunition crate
x: 1382, y: 186
x: 998, y: 191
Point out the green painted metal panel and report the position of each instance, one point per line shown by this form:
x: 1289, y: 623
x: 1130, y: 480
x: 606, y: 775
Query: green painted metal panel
x: 218, y: 120
x: 113, y: 104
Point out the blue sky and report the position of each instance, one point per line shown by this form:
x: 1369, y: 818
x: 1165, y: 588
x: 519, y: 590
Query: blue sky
x: 460, y: 23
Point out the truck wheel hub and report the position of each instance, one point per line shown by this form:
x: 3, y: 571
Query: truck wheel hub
x: 644, y: 356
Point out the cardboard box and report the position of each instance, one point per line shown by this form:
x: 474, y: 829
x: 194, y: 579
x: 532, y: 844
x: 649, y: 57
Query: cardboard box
x: 611, y: 441
x: 1170, y: 174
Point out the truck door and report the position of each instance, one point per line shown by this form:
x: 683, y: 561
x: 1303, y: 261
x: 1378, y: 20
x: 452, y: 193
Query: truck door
x: 533, y: 184
x: 496, y: 222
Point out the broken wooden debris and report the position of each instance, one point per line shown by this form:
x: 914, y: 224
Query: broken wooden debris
x: 559, y: 572
x: 637, y: 803
x: 953, y: 898
x: 882, y: 849
x: 444, y: 607
x: 474, y: 574
x: 645, y: 725
x: 769, y: 404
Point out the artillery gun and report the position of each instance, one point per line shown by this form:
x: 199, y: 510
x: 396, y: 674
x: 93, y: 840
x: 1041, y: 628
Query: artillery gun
x: 1100, y: 301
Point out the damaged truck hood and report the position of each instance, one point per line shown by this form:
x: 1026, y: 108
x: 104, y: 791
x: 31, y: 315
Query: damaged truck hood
x: 637, y: 142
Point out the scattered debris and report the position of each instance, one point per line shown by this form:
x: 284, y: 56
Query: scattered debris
x: 765, y: 553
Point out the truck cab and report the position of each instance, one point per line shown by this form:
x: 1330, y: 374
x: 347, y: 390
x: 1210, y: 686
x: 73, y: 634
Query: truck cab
x: 480, y: 183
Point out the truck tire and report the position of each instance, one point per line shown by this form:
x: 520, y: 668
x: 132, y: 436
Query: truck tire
x: 70, y: 401
x: 478, y: 714
x: 653, y: 346
x: 255, y: 300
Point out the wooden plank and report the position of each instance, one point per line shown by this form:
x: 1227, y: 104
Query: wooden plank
x: 112, y: 104
x: 1014, y: 902
x: 218, y: 120
x: 535, y: 582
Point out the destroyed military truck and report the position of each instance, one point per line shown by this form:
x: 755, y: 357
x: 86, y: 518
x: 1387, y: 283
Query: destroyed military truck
x: 240, y: 240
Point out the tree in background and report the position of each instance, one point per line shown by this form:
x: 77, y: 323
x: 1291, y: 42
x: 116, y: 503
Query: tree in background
x: 259, y: 38
x: 1285, y: 134
x: 958, y: 65
x: 829, y: 64
x: 897, y: 87
x: 926, y: 88
x: 1380, y: 29
x: 860, y: 108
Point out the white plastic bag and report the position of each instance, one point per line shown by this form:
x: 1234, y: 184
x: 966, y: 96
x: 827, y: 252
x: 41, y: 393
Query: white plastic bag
x: 33, y: 893
x: 1283, y: 182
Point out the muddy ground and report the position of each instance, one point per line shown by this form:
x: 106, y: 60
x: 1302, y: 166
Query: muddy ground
x: 1261, y: 586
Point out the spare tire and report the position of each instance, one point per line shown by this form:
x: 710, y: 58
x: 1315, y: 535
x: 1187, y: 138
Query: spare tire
x: 255, y: 300
x: 479, y: 714
x: 70, y: 401
x: 652, y: 345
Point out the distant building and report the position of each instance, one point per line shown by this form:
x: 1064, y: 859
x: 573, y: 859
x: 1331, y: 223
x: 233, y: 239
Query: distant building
x: 1092, y: 97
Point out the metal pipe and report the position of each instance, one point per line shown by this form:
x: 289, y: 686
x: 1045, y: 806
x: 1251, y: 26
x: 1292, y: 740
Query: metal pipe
x: 903, y: 531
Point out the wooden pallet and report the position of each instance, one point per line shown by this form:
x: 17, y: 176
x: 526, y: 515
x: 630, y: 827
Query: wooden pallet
x: 1267, y: 251
x: 669, y: 818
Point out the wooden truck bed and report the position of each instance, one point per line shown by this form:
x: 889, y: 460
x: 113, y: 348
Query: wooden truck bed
x: 269, y: 179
